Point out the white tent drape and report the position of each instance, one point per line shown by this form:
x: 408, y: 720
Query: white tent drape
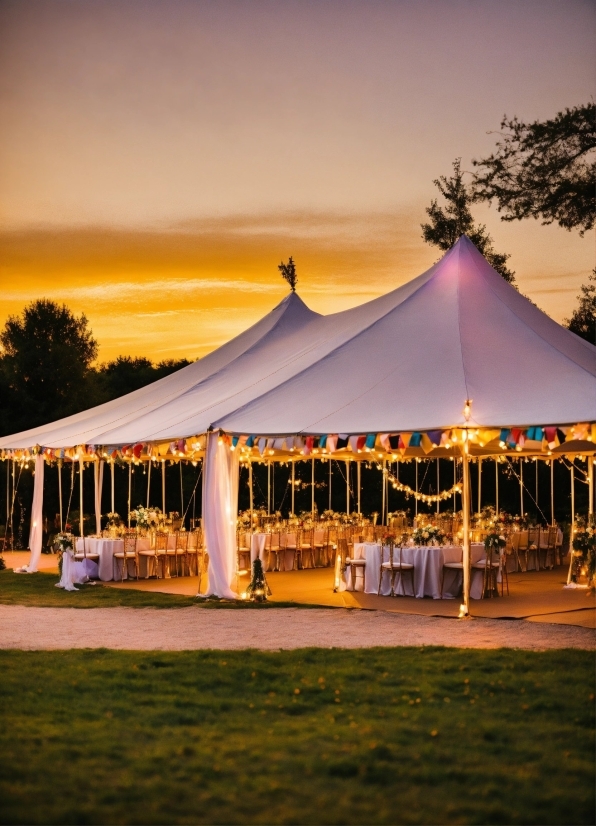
x: 98, y: 475
x: 220, y: 509
x: 36, y: 531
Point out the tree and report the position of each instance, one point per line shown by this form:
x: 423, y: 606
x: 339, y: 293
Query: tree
x: 583, y: 320
x: 45, y: 358
x: 288, y: 271
x: 448, y: 223
x: 125, y: 374
x: 544, y: 170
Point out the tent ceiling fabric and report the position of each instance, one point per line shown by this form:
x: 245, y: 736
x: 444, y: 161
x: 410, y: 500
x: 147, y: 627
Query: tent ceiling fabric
x: 405, y: 361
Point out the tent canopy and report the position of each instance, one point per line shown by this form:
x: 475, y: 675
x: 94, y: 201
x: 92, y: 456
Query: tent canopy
x: 408, y: 360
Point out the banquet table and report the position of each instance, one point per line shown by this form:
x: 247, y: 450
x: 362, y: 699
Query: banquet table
x: 106, y: 548
x: 428, y: 564
x: 257, y: 543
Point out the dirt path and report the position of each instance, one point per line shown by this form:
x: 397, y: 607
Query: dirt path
x: 194, y: 628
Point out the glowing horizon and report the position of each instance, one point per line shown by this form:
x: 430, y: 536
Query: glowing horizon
x: 158, y: 161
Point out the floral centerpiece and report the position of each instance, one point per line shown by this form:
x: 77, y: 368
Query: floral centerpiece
x: 584, y: 548
x: 146, y: 518
x: 63, y: 544
x: 494, y: 542
x: 113, y: 519
x: 428, y: 535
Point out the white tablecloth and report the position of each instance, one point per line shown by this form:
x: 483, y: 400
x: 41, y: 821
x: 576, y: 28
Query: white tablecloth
x: 428, y: 564
x: 106, y: 548
x: 76, y: 573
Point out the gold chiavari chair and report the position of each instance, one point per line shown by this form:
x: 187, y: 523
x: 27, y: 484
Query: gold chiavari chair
x: 305, y: 549
x: 243, y: 551
x: 79, y: 556
x: 490, y: 568
x: 394, y: 566
x: 290, y: 541
x: 531, y: 549
x: 156, y: 554
x: 273, y: 547
x: 548, y: 543
x: 181, y: 551
x: 356, y: 566
x: 192, y: 552
x: 126, y: 555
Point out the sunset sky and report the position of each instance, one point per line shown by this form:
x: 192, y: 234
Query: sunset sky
x: 158, y: 159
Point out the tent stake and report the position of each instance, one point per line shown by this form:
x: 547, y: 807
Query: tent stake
x: 572, y: 528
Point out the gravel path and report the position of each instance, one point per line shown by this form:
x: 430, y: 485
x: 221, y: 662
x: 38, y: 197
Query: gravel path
x: 275, y: 628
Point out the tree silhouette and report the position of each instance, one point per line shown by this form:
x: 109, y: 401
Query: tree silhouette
x: 583, y: 320
x: 449, y: 222
x: 544, y: 170
x: 288, y: 271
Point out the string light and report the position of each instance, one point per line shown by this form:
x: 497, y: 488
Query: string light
x: 423, y: 497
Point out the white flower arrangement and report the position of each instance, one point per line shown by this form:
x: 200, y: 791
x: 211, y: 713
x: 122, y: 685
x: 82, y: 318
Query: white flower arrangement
x: 428, y: 535
x: 146, y: 517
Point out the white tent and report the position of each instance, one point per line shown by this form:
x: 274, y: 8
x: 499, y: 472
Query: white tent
x: 252, y: 346
x: 410, y: 360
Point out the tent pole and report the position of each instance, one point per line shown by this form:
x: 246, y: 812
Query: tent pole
x: 497, y: 486
x: 466, y: 528
x: 438, y: 504
x: 250, y: 493
x: 552, y: 492
x: 590, y: 485
x: 312, y: 497
x: 479, y: 484
x: 416, y: 497
x: 59, y: 495
x: 572, y: 529
x: 358, y: 478
x: 129, y: 489
x: 330, y: 474
x: 273, y: 487
x: 384, y: 494
x: 348, y: 486
x: 454, y: 482
x: 112, y: 481
x: 293, y: 485
x: 148, y: 480
x: 269, y: 488
x: 81, y: 468
x: 163, y: 486
x: 536, y: 463
x: 181, y: 493
x: 521, y: 486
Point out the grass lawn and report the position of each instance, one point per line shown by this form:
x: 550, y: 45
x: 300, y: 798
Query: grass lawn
x: 313, y: 736
x: 40, y: 590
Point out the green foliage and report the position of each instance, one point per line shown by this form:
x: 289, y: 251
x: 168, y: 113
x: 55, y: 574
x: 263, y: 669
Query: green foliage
x: 46, y: 370
x: 544, y: 169
x: 386, y: 735
x: 45, y: 357
x: 288, y: 272
x: 454, y: 219
x: 125, y: 374
x: 583, y: 320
